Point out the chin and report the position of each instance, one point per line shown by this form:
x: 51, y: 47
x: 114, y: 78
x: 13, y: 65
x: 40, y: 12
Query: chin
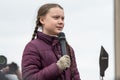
x: 57, y: 32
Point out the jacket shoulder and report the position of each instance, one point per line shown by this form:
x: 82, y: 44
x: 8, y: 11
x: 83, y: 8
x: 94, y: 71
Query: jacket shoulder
x: 39, y: 44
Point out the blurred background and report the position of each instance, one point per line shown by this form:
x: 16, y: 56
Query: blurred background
x: 88, y: 26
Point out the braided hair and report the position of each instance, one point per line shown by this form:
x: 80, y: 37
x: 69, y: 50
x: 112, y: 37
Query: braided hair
x: 70, y: 53
x: 35, y: 31
x: 43, y: 10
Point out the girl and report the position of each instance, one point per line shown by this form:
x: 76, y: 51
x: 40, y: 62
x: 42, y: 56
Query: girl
x: 42, y: 58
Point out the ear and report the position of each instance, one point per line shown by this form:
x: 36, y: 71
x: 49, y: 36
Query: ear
x: 42, y: 20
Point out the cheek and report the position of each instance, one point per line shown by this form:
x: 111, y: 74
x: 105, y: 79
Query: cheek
x: 52, y: 23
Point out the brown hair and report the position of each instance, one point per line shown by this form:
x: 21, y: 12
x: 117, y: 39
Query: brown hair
x: 43, y: 10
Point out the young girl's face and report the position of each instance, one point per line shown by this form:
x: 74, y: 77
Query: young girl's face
x: 53, y: 21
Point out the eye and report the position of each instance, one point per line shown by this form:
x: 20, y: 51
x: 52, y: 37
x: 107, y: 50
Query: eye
x: 62, y: 18
x: 56, y: 17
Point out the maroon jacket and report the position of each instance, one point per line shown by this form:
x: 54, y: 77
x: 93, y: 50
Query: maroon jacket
x: 40, y: 57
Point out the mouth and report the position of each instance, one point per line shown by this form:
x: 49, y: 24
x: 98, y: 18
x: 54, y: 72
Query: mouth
x: 59, y: 28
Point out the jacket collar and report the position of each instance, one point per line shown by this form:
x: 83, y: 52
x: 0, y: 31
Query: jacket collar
x: 51, y: 40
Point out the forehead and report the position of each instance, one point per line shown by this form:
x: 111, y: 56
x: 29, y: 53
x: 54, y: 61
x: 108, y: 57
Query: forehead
x: 56, y: 10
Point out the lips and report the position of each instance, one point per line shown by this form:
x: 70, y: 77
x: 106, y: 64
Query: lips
x: 59, y: 28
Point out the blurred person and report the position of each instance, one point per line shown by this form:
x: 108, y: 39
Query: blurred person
x: 10, y: 69
x: 42, y: 58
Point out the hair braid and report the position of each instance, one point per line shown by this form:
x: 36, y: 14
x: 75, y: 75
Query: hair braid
x: 71, y: 57
x: 35, y: 31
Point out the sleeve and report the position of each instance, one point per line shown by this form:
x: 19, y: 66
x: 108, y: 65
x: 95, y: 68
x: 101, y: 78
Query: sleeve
x: 32, y: 67
x: 75, y: 71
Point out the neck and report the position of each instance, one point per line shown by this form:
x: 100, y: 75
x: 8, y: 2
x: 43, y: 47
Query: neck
x: 50, y: 34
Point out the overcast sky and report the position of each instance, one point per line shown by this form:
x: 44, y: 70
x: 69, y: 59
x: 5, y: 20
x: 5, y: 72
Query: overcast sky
x: 88, y: 25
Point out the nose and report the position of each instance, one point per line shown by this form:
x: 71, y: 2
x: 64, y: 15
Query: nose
x: 61, y: 21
